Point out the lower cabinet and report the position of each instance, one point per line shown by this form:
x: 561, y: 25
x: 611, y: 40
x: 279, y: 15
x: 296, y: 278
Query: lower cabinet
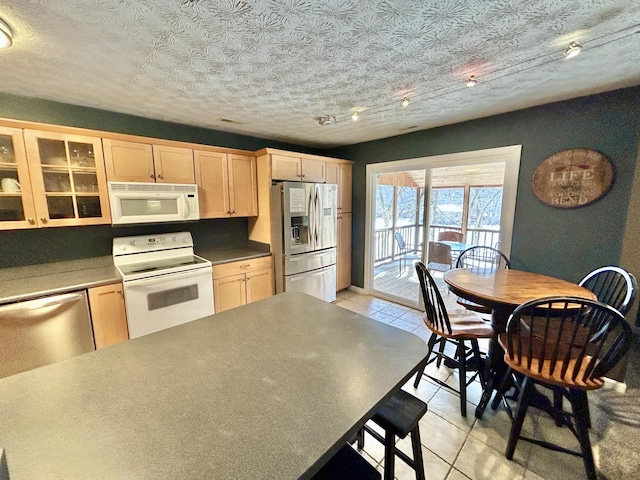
x: 239, y: 283
x: 108, y: 314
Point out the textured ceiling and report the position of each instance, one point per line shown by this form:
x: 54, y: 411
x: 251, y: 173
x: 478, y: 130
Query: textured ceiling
x: 276, y: 66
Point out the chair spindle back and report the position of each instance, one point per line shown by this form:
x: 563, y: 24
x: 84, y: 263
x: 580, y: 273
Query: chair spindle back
x: 567, y: 339
x: 434, y: 306
x: 612, y: 285
x: 483, y: 259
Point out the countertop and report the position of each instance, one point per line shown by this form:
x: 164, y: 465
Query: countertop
x: 24, y: 283
x: 269, y: 390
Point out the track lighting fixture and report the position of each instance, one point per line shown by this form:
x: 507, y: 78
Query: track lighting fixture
x: 6, y: 36
x: 472, y: 81
x: 327, y: 120
x: 573, y: 50
x: 405, y: 102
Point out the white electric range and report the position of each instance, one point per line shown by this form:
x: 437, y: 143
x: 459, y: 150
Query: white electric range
x: 165, y: 283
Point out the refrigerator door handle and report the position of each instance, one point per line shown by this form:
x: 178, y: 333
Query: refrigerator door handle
x: 313, y: 218
x: 316, y: 216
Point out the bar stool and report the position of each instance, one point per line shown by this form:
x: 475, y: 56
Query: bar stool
x: 347, y: 464
x: 399, y: 417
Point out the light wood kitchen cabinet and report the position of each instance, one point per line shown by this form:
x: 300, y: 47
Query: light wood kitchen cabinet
x: 141, y: 162
x: 227, y: 184
x: 108, y: 314
x: 68, y: 180
x: 239, y: 283
x: 342, y: 175
x: 301, y: 169
x: 343, y: 250
x: 273, y: 165
x: 17, y: 209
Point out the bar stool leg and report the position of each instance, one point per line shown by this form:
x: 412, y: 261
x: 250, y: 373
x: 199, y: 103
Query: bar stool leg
x: 360, y: 439
x: 418, y: 462
x: 389, y: 455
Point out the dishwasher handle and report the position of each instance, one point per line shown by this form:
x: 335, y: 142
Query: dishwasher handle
x: 30, y: 306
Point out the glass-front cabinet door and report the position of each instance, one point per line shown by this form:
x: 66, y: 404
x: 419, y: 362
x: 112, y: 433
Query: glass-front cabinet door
x: 16, y: 202
x: 68, y: 179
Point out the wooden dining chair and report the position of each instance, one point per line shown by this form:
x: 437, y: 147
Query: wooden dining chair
x: 485, y: 260
x: 567, y: 344
x: 462, y: 330
x: 450, y: 236
x: 612, y: 285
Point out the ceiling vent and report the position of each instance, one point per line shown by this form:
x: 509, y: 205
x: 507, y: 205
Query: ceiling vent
x: 228, y: 120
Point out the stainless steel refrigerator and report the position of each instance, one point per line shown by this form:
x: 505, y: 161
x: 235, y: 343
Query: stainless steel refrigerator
x: 303, y: 242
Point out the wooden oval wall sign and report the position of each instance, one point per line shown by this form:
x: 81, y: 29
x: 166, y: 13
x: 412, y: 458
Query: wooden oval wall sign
x: 572, y: 178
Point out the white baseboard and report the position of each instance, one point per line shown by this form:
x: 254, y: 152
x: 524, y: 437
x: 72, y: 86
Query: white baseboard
x: 353, y: 288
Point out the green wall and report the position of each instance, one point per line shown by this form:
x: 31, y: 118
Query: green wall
x: 45, y: 111
x: 565, y: 243
x: 34, y: 246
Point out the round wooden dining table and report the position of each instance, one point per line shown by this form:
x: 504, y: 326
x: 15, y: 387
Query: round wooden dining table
x: 502, y: 291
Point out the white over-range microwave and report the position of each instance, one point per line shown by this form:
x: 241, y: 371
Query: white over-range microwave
x: 137, y: 202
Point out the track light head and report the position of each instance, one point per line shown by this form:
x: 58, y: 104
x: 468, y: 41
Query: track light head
x: 573, y: 50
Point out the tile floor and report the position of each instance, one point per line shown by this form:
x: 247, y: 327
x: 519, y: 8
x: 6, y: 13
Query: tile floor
x: 458, y: 448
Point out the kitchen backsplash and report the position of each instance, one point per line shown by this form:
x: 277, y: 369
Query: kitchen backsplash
x: 44, y: 245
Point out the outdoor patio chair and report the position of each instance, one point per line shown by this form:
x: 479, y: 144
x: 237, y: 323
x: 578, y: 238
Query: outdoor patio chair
x: 450, y: 236
x: 407, y: 252
x: 439, y: 257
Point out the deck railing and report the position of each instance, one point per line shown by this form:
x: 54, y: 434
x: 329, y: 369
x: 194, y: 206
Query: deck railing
x: 386, y: 247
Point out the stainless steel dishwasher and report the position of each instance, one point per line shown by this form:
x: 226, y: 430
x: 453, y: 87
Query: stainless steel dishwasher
x: 45, y: 330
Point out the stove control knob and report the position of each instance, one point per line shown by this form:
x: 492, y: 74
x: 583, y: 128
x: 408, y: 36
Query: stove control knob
x: 122, y: 247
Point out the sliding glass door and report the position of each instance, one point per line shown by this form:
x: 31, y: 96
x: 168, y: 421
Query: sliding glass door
x: 462, y: 199
x: 398, y: 232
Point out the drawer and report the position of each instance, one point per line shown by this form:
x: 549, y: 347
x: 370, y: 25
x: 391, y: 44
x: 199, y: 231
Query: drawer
x: 234, y: 268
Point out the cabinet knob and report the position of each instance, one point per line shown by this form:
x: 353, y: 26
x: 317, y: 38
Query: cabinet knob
x: 118, y: 292
x: 43, y: 219
x: 232, y: 211
x: 247, y: 265
x: 160, y: 176
x: 31, y: 221
x: 302, y: 176
x: 151, y: 175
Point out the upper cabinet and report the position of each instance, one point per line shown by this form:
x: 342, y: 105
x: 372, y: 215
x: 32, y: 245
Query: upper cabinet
x: 301, y: 169
x: 141, y: 162
x: 227, y: 184
x: 341, y: 173
x: 16, y: 201
x: 67, y: 179
x: 173, y: 164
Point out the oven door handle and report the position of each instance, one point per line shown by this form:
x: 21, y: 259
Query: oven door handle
x: 168, y: 277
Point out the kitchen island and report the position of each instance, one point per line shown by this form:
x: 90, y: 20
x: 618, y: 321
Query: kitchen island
x: 268, y: 390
